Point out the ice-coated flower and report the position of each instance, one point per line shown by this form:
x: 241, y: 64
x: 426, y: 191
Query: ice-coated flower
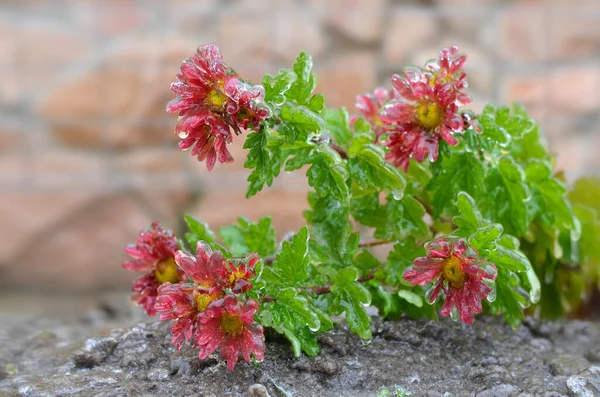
x: 228, y: 324
x: 238, y: 277
x: 206, y: 268
x: 427, y: 108
x: 370, y: 104
x: 463, y: 277
x: 211, y: 102
x: 251, y: 108
x: 153, y: 254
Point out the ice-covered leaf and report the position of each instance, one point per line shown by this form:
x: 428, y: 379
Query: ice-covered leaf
x: 246, y: 237
x: 290, y: 267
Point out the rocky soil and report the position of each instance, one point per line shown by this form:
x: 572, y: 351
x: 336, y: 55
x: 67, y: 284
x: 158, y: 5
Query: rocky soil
x: 41, y: 357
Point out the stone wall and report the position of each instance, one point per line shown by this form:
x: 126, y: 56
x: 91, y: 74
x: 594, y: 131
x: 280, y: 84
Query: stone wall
x: 87, y: 153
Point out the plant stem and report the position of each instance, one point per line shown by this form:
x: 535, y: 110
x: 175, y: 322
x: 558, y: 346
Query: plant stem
x: 374, y: 242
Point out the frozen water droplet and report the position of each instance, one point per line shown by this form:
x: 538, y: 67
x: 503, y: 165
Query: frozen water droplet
x: 454, y: 314
x: 397, y: 194
x: 492, y: 295
x: 535, y: 296
x: 428, y: 296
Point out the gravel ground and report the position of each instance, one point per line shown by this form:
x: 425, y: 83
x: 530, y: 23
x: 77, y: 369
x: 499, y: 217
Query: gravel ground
x: 42, y: 356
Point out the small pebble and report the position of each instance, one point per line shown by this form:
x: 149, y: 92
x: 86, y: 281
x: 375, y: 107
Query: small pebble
x: 258, y: 390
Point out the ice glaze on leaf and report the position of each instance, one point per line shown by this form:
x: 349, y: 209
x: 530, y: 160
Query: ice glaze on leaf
x: 247, y: 237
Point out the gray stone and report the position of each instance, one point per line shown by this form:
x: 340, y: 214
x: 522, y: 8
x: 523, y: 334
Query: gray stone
x: 585, y: 383
x: 422, y: 357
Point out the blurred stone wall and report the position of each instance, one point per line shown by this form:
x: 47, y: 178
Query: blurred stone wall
x: 88, y: 157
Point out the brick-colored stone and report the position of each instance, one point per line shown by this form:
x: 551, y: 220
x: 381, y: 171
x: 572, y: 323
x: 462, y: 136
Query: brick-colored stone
x: 570, y: 151
x: 361, y: 20
x: 298, y: 30
x: 246, y: 38
x: 28, y: 218
x: 564, y: 92
x: 12, y: 139
x: 522, y: 34
x: 284, y: 207
x: 408, y: 30
x: 346, y: 76
x: 120, y: 103
x: 84, y: 252
x: 573, y: 35
x: 150, y: 161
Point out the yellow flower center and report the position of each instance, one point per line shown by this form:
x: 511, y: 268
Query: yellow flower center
x: 166, y: 271
x: 453, y: 273
x: 216, y: 98
x: 430, y: 115
x: 203, y: 300
x: 236, y: 274
x: 231, y: 324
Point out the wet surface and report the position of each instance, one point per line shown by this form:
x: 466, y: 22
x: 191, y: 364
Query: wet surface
x: 50, y: 354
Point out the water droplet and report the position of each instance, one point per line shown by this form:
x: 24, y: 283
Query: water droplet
x: 535, y: 295
x: 366, y: 342
x: 492, y: 295
x: 454, y: 314
x: 428, y: 295
x: 183, y: 134
x: 397, y: 194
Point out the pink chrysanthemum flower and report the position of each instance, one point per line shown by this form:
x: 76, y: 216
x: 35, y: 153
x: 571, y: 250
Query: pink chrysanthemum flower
x: 154, y: 254
x: 427, y: 108
x: 229, y: 324
x: 211, y: 102
x: 252, y: 110
x: 460, y: 276
x: 238, y: 278
x: 184, y: 302
x: 369, y: 106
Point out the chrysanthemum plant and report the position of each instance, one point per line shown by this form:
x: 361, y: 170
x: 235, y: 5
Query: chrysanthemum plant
x: 473, y: 214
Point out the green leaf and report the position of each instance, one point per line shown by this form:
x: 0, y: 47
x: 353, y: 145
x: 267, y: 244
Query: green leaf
x: 296, y: 318
x: 291, y: 264
x: 554, y: 207
x: 400, y: 257
x: 302, y: 118
x: 460, y: 171
x: 277, y: 86
x: 365, y: 260
x: 404, y: 218
x: 411, y: 297
x: 352, y: 298
x: 303, y: 87
x: 512, y: 260
x: 328, y: 174
x: 330, y: 231
x: 264, y: 162
x: 247, y: 237
x: 198, y: 231
x: 509, y: 302
x: 485, y: 236
x: 369, y: 169
x: 586, y: 191
x: 470, y: 218
x: 367, y: 211
x: 316, y: 103
x: 506, y: 198
x: 338, y: 125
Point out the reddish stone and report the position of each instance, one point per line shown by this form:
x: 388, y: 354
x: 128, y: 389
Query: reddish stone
x: 284, y: 207
x: 408, y: 30
x: 347, y: 76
